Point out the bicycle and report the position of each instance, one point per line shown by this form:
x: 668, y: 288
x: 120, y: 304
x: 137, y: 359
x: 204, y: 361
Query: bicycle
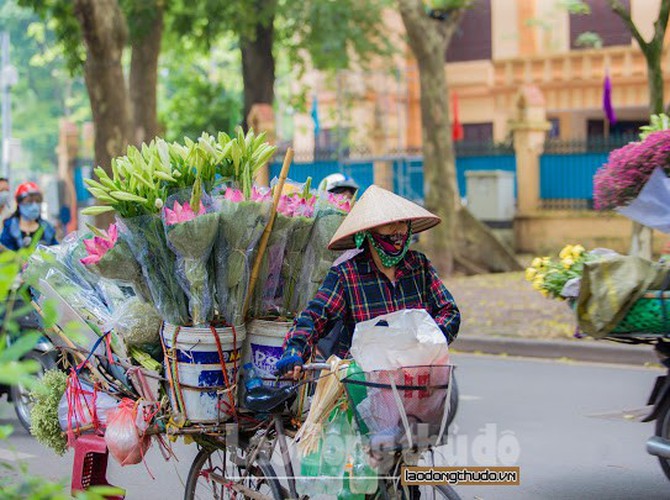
x: 238, y: 464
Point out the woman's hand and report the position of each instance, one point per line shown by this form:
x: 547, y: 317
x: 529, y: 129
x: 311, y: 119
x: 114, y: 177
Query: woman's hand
x: 290, y: 365
x: 296, y: 373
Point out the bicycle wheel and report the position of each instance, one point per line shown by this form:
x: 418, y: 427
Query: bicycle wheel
x: 216, y: 474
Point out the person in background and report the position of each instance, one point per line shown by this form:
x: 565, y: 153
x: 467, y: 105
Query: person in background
x: 385, y: 277
x: 339, y: 184
x: 24, y: 224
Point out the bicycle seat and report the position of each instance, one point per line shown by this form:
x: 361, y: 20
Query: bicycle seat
x: 268, y: 399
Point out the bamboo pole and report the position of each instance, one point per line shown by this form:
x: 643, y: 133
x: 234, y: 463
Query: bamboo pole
x: 288, y: 158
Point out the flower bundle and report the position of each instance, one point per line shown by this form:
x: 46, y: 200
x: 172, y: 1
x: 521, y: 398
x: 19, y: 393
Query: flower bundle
x: 627, y: 170
x: 241, y: 225
x: 110, y: 257
x: 549, y: 276
x: 299, y: 208
x: 146, y: 237
x: 172, y: 246
x: 330, y: 212
x: 191, y: 231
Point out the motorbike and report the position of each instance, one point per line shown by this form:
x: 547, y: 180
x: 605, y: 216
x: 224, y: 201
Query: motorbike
x: 659, y: 444
x: 44, y: 353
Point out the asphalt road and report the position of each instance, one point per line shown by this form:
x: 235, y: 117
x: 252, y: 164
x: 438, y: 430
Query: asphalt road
x: 555, y: 420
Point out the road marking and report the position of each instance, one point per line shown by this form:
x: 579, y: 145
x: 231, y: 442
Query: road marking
x: 13, y: 456
x: 466, y: 397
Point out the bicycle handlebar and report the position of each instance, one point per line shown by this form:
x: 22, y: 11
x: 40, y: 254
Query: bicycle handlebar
x: 316, y: 366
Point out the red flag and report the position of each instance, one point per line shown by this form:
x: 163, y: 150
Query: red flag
x: 457, y: 128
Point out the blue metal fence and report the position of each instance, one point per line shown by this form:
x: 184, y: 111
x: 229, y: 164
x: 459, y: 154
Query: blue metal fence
x: 408, y: 173
x: 569, y: 176
x: 362, y: 172
x: 566, y: 169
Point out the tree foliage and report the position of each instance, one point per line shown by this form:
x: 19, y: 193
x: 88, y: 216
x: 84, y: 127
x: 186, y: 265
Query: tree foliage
x: 45, y: 91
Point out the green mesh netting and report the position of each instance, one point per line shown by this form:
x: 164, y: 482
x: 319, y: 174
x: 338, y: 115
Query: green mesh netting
x: 647, y: 315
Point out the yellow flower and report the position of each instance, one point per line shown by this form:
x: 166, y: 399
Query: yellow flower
x: 545, y: 293
x: 546, y: 261
x: 537, y: 263
x: 566, y: 252
x: 577, y: 251
x: 538, y: 282
x: 530, y: 273
x: 567, y: 262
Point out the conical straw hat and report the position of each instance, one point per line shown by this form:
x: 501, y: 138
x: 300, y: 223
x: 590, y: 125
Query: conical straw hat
x: 375, y: 208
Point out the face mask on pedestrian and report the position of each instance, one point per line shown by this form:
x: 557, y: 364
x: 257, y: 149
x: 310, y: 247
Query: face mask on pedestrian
x: 30, y: 211
x: 4, y: 197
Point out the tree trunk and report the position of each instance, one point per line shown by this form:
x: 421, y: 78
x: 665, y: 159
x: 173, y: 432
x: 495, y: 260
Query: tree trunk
x: 258, y: 67
x: 655, y: 77
x: 144, y: 78
x: 104, y: 32
x: 460, y: 237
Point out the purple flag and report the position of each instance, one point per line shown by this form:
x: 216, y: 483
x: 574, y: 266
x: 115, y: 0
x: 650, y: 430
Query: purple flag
x: 607, y: 100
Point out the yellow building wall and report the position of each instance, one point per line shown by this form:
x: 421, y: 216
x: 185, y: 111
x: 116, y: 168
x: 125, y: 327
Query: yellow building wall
x: 530, y: 45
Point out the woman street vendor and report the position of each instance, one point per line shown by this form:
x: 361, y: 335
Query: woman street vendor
x: 385, y: 277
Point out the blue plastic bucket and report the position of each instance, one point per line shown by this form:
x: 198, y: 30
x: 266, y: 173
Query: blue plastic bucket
x: 199, y: 370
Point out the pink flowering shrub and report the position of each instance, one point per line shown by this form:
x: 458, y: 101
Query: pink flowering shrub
x: 620, y: 180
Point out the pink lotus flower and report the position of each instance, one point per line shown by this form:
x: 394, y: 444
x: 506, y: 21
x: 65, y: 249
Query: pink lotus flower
x: 261, y: 195
x: 340, y: 202
x: 181, y: 213
x: 303, y: 207
x: 284, y: 206
x: 234, y: 195
x: 98, y: 246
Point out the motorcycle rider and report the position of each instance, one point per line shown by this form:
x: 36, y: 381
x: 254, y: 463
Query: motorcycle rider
x: 23, y: 225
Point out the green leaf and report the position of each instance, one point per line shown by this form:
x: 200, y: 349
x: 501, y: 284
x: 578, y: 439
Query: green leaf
x: 19, y: 347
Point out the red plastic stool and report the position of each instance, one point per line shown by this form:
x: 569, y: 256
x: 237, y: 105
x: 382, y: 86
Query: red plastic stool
x: 90, y: 464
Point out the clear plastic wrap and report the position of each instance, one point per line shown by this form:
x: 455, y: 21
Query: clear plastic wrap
x: 240, y: 228
x: 116, y: 263
x: 191, y: 237
x: 267, y: 299
x: 146, y: 237
x: 300, y: 229
x: 136, y: 322
x: 317, y: 259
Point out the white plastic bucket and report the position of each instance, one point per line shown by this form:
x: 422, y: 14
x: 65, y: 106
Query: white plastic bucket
x: 263, y: 345
x: 199, y: 371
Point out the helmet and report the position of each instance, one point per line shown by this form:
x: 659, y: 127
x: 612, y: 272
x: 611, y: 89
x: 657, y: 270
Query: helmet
x: 25, y: 189
x: 338, y: 181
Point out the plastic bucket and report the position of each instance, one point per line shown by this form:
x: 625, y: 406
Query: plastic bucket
x: 263, y: 345
x: 198, y: 371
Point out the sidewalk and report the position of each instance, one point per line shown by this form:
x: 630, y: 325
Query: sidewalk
x: 502, y: 314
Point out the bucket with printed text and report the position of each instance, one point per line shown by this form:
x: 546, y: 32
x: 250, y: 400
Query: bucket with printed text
x: 263, y: 348
x: 202, y: 365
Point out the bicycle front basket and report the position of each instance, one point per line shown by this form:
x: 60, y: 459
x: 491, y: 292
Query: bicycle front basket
x: 403, y: 408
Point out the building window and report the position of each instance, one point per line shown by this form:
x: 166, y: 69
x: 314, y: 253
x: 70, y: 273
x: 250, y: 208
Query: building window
x: 622, y: 128
x: 601, y: 21
x: 472, y: 39
x: 478, y: 132
x: 555, y: 130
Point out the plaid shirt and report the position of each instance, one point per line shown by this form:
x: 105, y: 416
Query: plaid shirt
x: 356, y: 291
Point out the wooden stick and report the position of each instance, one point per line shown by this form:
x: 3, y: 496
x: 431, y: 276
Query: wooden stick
x: 268, y: 229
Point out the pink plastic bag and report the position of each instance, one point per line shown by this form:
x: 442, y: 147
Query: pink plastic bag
x: 125, y: 441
